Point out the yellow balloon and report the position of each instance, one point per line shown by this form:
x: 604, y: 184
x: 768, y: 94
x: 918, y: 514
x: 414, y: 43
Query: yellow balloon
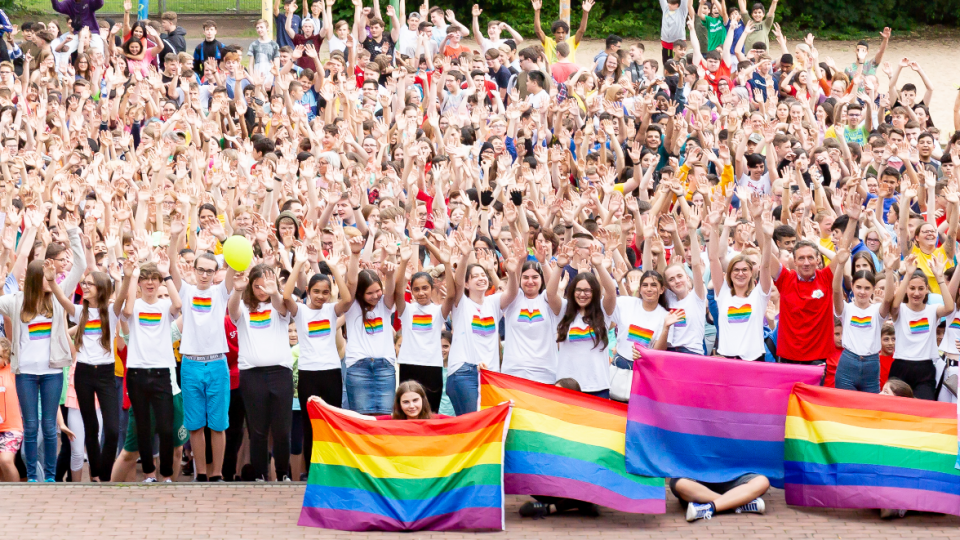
x: 238, y: 253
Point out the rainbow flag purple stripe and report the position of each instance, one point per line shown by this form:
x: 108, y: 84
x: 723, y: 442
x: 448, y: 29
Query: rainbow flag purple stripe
x: 709, y: 419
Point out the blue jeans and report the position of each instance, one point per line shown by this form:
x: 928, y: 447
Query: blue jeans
x: 371, y: 385
x: 46, y: 390
x: 858, y: 372
x: 463, y: 389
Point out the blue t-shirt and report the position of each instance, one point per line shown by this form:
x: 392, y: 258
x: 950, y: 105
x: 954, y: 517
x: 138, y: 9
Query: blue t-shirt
x: 282, y: 38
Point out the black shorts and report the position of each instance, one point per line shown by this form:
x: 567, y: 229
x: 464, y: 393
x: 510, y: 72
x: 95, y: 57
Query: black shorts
x: 718, y: 487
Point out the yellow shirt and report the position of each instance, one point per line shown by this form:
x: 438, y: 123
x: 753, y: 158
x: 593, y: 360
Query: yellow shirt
x: 827, y: 243
x: 550, y: 47
x: 923, y: 264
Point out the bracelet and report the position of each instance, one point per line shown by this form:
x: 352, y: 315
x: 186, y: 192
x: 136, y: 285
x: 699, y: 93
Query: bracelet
x: 356, y: 207
x: 568, y: 226
x: 269, y: 190
x: 168, y: 278
x: 231, y: 187
x: 278, y: 179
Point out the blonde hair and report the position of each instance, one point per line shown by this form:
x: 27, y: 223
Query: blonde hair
x: 739, y: 258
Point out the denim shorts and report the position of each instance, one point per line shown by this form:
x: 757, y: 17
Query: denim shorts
x: 206, y: 393
x: 371, y: 385
x: 463, y: 389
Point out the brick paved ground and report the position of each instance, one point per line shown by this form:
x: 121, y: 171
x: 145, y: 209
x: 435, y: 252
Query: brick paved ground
x: 258, y: 511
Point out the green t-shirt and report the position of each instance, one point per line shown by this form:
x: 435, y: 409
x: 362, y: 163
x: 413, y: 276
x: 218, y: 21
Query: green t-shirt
x: 716, y: 32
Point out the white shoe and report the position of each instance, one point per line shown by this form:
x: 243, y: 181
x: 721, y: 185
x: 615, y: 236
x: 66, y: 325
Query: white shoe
x: 755, y: 506
x: 699, y: 511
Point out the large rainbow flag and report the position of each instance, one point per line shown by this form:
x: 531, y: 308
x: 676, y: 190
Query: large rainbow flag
x: 406, y: 475
x: 567, y: 444
x: 848, y: 449
x: 710, y: 419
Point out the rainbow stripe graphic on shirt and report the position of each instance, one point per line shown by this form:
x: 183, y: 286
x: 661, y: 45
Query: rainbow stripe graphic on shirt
x: 955, y: 324
x: 861, y: 322
x: 92, y: 328
x: 682, y: 323
x: 739, y: 314
x: 260, y: 319
x: 580, y: 334
x: 423, y: 323
x: 318, y: 329
x: 373, y: 326
x: 483, y: 326
x: 202, y: 305
x: 530, y: 316
x: 149, y: 319
x: 920, y: 326
x: 639, y: 335
x: 39, y: 330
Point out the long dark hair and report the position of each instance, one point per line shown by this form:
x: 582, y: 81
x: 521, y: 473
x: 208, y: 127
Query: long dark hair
x: 365, y: 279
x: 592, y: 314
x: 259, y: 271
x: 417, y: 388
x: 534, y: 265
x: 663, y: 286
x: 36, y: 301
x: 104, y: 290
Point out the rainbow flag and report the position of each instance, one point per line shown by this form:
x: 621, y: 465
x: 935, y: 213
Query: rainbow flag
x: 92, y: 328
x: 373, y: 326
x: 202, y: 305
x: 920, y: 326
x: 739, y: 315
x: 483, y: 326
x: 710, y: 419
x: 848, y: 449
x: 406, y: 475
x: 423, y: 323
x: 149, y: 319
x: 530, y: 316
x: 861, y: 322
x: 639, y: 335
x: 318, y: 329
x: 260, y: 319
x: 39, y: 330
x: 567, y: 444
x: 580, y: 334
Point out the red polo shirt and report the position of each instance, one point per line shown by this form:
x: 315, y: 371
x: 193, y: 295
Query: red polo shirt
x: 805, y: 331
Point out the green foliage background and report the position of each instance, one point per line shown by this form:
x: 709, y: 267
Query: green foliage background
x: 827, y: 19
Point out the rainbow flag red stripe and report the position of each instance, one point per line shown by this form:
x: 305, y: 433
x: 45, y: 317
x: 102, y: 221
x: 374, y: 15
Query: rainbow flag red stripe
x: 568, y: 444
x: 848, y: 449
x: 406, y: 475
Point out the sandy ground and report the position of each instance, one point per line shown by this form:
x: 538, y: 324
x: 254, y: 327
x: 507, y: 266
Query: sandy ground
x: 934, y: 57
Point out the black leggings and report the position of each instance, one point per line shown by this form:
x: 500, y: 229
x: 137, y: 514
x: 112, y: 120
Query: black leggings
x: 430, y: 378
x: 268, y: 394
x: 149, y: 389
x: 96, y: 384
x: 234, y: 435
x: 919, y: 374
x: 326, y: 383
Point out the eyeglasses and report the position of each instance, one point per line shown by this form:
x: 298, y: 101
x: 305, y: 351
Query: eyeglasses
x: 741, y: 271
x: 86, y: 284
x: 61, y: 259
x: 583, y: 292
x: 205, y: 271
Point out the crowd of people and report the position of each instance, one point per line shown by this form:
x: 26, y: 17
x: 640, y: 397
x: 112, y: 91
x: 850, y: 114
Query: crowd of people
x: 422, y: 207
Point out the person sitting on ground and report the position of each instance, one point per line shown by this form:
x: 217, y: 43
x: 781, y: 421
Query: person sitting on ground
x: 704, y: 499
x: 410, y: 403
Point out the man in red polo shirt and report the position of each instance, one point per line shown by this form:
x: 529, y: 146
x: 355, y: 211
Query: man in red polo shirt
x: 805, y: 332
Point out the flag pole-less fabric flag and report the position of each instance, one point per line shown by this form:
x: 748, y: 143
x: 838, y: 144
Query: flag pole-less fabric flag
x: 848, y: 449
x: 406, y: 475
x: 568, y: 444
x: 709, y: 419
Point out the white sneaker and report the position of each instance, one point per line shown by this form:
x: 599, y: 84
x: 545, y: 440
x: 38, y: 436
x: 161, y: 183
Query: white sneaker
x: 699, y: 511
x: 755, y: 506
x: 149, y: 480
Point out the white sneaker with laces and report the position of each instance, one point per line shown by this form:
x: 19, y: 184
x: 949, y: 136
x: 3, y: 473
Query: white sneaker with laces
x: 699, y: 511
x: 756, y: 506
